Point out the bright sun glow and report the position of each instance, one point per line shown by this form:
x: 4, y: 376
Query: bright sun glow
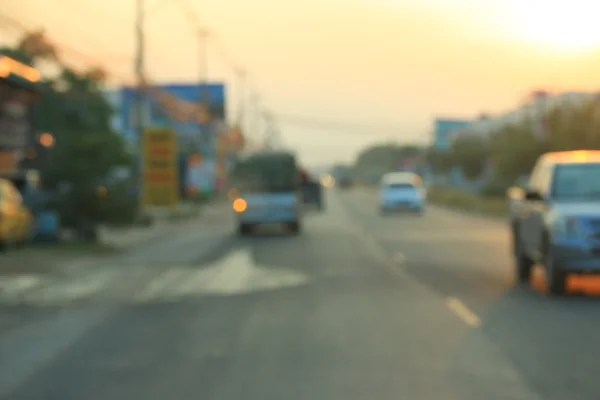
x: 559, y: 25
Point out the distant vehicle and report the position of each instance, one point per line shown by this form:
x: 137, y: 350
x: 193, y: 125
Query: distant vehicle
x: 555, y: 220
x: 343, y: 176
x: 268, y: 191
x: 401, y: 191
x: 15, y: 219
x: 312, y: 192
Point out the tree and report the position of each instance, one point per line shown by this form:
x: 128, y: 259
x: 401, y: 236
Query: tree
x: 574, y: 127
x: 440, y: 161
x: 516, y: 148
x: 514, y: 151
x: 86, y: 150
x: 381, y: 158
x: 471, y: 155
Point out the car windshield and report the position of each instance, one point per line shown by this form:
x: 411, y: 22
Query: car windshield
x: 577, y: 181
x: 397, y: 186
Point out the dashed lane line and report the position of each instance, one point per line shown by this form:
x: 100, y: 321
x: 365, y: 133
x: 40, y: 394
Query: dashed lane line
x: 463, y: 312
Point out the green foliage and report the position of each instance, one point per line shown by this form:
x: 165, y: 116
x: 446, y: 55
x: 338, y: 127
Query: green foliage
x: 496, y: 188
x: 17, y: 54
x: 470, y: 154
x: 86, y: 150
x: 440, y: 161
x: 460, y: 200
x: 379, y: 159
x: 514, y: 151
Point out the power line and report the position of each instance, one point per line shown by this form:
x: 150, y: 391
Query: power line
x: 79, y: 13
x: 193, y: 20
x: 61, y: 49
x: 306, y: 122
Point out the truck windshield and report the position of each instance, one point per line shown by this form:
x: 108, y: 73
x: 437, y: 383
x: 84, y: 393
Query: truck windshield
x: 266, y: 173
x: 577, y: 181
x: 397, y: 186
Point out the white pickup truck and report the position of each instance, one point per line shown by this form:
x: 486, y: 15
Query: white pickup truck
x: 555, y: 221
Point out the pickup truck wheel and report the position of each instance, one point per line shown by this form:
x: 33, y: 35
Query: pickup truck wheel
x: 555, y: 276
x: 523, y: 264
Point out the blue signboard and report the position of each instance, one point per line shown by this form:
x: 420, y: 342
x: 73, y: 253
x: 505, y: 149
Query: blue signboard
x: 155, y: 115
x: 194, y: 137
x: 443, y: 129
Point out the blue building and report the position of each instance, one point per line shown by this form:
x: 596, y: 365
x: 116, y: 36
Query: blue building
x: 443, y: 128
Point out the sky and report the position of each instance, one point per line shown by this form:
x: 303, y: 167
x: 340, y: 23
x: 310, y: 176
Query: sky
x: 385, y: 68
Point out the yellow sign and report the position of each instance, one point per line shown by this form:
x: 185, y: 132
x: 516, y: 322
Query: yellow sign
x: 160, y: 185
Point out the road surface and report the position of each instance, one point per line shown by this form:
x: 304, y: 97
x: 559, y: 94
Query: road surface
x: 359, y: 307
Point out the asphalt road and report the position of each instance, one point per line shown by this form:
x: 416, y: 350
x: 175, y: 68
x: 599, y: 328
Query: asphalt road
x: 358, y: 307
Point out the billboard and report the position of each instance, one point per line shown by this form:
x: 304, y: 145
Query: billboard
x: 443, y: 129
x: 156, y: 115
x: 160, y: 173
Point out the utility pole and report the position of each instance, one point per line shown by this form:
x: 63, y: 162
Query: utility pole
x: 204, y: 102
x: 139, y: 69
x: 240, y: 74
x: 203, y: 35
x: 256, y: 117
x: 269, y: 133
x: 139, y: 94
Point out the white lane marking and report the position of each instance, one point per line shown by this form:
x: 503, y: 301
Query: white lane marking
x: 399, y: 258
x: 463, y: 312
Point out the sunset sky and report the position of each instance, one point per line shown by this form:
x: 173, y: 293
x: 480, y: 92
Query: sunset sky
x: 387, y: 66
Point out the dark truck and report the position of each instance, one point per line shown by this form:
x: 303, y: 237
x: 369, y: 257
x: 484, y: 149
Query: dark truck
x: 343, y: 176
x: 555, y: 220
x: 312, y: 190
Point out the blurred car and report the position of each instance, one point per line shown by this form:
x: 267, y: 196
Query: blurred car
x: 15, y: 219
x: 401, y: 191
